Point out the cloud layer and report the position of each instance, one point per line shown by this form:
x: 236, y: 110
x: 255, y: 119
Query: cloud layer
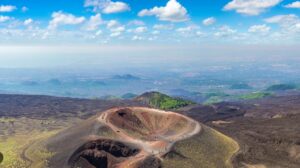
x: 119, y: 21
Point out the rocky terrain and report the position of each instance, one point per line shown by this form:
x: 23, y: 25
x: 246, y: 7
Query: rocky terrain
x: 251, y: 133
x: 58, y: 107
x: 267, y: 130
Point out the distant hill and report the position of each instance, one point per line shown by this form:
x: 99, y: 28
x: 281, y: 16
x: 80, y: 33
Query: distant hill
x: 240, y: 86
x: 126, y: 77
x: 98, y: 82
x: 30, y: 83
x: 128, y: 96
x: 188, y: 95
x: 162, y: 101
x: 54, y: 82
x: 110, y: 97
x: 281, y: 87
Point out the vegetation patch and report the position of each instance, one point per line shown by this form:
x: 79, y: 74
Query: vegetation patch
x: 21, y: 151
x: 254, y: 95
x: 22, y: 141
x: 209, y: 149
x: 215, y: 97
x: 162, y: 101
x: 11, y: 153
x: 212, y: 100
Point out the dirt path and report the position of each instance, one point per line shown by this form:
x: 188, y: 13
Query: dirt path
x: 24, y: 157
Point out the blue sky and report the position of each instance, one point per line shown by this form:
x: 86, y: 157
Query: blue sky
x: 149, y: 22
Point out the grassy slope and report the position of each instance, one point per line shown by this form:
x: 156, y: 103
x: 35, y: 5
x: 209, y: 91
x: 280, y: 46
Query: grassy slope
x: 215, y: 97
x: 209, y: 149
x: 247, y: 96
x: 166, y: 102
x: 23, y: 147
x: 14, y: 148
x: 254, y: 95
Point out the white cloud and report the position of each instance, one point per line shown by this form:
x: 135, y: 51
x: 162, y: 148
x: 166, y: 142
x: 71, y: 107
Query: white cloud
x: 225, y: 31
x: 188, y: 31
x: 115, y: 7
x: 136, y: 38
x: 60, y: 18
x: 94, y: 22
x: 112, y: 23
x: 28, y: 22
x: 7, y: 8
x: 98, y: 33
x: 199, y: 33
x: 136, y: 22
x: 141, y: 29
x: 155, y: 32
x: 4, y: 18
x: 152, y: 38
x: 289, y: 23
x: 209, y: 21
x: 115, y: 34
x: 107, y: 6
x: 295, y: 4
x: 259, y: 29
x: 118, y: 29
x: 173, y: 12
x: 250, y: 7
x: 185, y: 29
x: 115, y: 28
x: 163, y: 27
x: 283, y: 19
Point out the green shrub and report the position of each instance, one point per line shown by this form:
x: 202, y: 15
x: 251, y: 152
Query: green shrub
x: 165, y: 102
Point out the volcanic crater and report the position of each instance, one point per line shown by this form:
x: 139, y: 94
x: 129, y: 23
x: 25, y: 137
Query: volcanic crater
x: 144, y: 135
